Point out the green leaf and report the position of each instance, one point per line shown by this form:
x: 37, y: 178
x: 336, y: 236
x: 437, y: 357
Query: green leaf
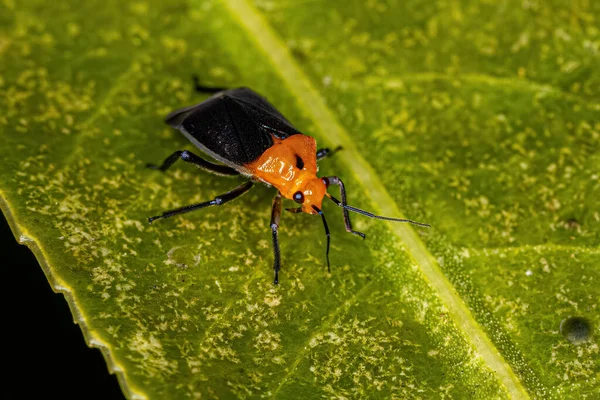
x: 480, y: 119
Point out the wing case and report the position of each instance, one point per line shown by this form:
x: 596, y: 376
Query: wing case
x: 234, y: 126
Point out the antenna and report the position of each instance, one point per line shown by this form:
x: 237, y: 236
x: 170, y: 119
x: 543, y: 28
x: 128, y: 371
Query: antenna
x: 326, y: 232
x: 371, y: 215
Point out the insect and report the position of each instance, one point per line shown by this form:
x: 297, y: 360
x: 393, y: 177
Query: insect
x: 248, y: 136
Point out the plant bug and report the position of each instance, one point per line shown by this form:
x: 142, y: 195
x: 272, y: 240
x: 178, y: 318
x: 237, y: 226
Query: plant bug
x: 245, y: 133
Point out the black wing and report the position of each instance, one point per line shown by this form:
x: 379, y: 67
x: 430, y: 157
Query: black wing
x: 233, y: 126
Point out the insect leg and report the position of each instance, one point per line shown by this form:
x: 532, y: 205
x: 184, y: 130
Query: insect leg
x: 205, y: 89
x: 217, y: 201
x: 325, y: 152
x: 190, y: 157
x: 334, y: 180
x: 275, y: 216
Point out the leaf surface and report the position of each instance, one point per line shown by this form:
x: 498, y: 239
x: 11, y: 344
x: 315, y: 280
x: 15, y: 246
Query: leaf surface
x: 482, y: 120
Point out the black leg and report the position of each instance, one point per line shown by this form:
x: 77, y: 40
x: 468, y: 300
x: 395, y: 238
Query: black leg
x: 322, y: 153
x: 334, y: 180
x: 205, y: 89
x: 275, y: 216
x: 217, y: 201
x: 190, y: 157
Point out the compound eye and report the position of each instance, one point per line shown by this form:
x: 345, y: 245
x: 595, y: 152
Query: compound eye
x: 299, y: 197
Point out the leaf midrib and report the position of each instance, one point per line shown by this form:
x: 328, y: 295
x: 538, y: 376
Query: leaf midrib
x: 308, y: 98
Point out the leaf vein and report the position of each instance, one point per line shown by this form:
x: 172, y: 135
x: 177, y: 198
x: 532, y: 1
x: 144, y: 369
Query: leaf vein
x: 309, y: 99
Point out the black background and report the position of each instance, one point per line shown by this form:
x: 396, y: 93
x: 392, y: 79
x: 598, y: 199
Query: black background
x: 47, y: 356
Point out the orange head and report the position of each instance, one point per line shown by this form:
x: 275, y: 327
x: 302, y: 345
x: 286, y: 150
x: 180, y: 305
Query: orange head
x: 310, y: 194
x: 290, y: 165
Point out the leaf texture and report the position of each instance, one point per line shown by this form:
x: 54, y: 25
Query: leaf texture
x: 480, y: 119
